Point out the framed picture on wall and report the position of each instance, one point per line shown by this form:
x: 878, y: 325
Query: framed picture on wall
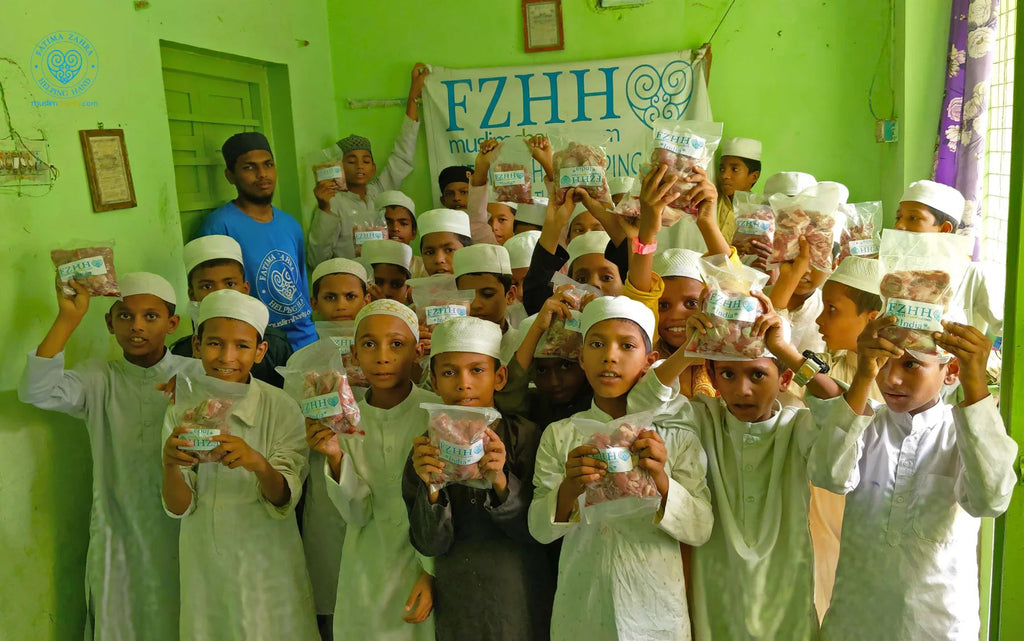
x: 542, y: 25
x: 106, y: 165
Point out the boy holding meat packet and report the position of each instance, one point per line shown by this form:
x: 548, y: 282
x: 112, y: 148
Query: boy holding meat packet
x: 620, y: 490
x: 233, y: 462
x: 467, y: 487
x: 753, y: 579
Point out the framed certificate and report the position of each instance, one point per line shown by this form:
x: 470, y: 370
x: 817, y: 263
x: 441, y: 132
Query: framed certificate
x: 542, y: 25
x: 106, y: 165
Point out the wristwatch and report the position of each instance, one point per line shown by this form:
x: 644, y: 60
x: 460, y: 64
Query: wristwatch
x: 811, y: 367
x: 642, y: 249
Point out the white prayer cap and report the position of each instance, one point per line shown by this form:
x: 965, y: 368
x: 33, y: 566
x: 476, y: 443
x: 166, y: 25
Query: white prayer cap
x: 228, y: 303
x: 207, y: 248
x: 512, y: 206
x: 844, y: 192
x: 481, y: 259
x: 576, y: 211
x: 860, y: 273
x: 389, y: 252
x: 388, y: 307
x: 338, y: 266
x: 533, y: 213
x: 440, y: 220
x: 592, y: 242
x: 678, y: 262
x: 392, y: 198
x: 937, y: 196
x: 790, y: 183
x: 742, y: 147
x: 520, y: 248
x: 609, y: 307
x: 146, y: 283
x: 466, y: 334
x: 621, y: 185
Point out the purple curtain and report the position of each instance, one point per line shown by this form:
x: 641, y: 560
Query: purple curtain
x: 963, y: 124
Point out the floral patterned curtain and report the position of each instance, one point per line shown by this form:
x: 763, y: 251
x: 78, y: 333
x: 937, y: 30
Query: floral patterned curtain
x: 959, y: 157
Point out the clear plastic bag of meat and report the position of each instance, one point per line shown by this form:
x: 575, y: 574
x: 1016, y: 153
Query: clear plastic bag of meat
x: 203, y: 405
x: 811, y: 214
x: 682, y: 145
x: 862, y: 231
x: 437, y: 298
x: 562, y: 339
x: 459, y: 433
x: 732, y: 311
x: 368, y: 228
x: 627, y: 490
x: 755, y: 220
x: 581, y: 161
x: 511, y: 173
x: 922, y: 273
x: 328, y: 167
x: 92, y: 266
x: 315, y: 378
x: 342, y: 334
x: 578, y: 293
x: 628, y: 207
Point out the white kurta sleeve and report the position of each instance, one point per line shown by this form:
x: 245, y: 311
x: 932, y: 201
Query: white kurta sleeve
x: 649, y: 394
x: 289, y: 456
x: 834, y: 433
x: 47, y: 385
x: 986, y: 479
x: 687, y: 515
x: 548, y: 475
x: 476, y: 208
x: 402, y: 158
x: 321, y: 237
x: 350, y: 493
x: 189, y: 473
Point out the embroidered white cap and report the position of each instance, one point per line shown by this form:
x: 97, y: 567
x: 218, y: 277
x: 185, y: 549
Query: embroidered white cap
x: 621, y: 185
x: 206, y: 248
x: 388, y: 307
x: 860, y: 273
x: 510, y: 205
x: 592, y: 242
x: 533, y: 213
x: 466, y: 334
x: 790, y: 183
x: 481, y: 259
x: 389, y: 252
x: 338, y: 266
x: 393, y: 198
x: 520, y: 248
x: 944, y: 198
x: 443, y: 220
x: 612, y: 307
x: 742, y: 147
x: 146, y: 283
x: 678, y: 262
x: 576, y: 211
x: 843, y: 190
x: 228, y: 303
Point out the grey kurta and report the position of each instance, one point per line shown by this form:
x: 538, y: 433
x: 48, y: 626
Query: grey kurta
x: 131, y: 568
x: 493, y: 581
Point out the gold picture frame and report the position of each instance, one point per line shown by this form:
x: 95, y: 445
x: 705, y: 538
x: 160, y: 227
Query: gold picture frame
x: 108, y: 170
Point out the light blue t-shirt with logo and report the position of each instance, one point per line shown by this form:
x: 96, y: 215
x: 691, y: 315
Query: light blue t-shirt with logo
x: 275, y: 260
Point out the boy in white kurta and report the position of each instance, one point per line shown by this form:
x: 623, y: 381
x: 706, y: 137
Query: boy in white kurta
x: 243, y: 574
x: 624, y: 578
x: 132, y: 561
x: 754, y: 578
x: 384, y: 588
x: 908, y: 564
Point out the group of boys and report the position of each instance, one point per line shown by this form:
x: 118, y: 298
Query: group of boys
x: 833, y: 444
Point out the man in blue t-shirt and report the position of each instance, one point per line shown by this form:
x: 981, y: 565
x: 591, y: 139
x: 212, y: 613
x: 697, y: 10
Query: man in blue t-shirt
x: 273, y: 251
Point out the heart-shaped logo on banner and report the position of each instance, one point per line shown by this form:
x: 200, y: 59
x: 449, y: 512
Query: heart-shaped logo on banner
x: 654, y: 94
x: 64, y: 65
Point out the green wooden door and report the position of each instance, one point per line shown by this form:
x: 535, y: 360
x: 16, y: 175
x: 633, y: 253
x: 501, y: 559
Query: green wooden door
x: 208, y: 99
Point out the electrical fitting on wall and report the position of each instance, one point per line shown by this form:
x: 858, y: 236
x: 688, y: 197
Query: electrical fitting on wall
x: 614, y: 4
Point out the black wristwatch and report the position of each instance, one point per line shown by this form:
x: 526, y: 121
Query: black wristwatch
x: 811, y: 367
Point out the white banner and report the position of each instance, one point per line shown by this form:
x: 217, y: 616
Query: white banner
x: 619, y: 97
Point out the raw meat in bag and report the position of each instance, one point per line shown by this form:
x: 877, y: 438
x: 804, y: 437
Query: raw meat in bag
x: 458, y: 432
x: 755, y: 220
x: 810, y: 214
x: 732, y: 311
x: 511, y: 174
x: 93, y: 267
x: 203, y: 405
x: 315, y: 377
x: 328, y: 167
x: 682, y: 145
x: 342, y: 334
x: 437, y: 298
x: 861, y: 235
x: 582, y: 164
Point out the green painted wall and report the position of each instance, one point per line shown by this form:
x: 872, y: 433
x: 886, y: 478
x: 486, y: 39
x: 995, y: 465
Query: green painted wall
x: 45, y: 485
x: 792, y: 73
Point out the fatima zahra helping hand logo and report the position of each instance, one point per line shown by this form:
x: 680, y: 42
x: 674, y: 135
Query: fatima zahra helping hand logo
x: 64, y: 64
x: 654, y: 94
